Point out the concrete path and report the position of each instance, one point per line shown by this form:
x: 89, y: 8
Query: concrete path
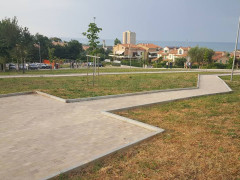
x: 114, y: 73
x: 41, y: 137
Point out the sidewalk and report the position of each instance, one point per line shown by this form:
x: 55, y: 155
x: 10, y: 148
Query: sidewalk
x: 42, y: 137
x: 113, y: 73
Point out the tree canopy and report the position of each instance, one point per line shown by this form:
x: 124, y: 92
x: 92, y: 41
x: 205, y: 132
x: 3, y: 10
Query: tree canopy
x: 117, y: 41
x: 201, y: 55
x: 92, y: 35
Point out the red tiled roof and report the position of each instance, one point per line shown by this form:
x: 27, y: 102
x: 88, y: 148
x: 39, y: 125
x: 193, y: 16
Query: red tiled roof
x: 149, y: 45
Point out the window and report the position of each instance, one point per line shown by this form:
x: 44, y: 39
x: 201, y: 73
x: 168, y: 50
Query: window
x: 180, y: 51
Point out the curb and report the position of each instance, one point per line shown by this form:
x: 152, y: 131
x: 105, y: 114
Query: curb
x: 132, y: 121
x: 102, y: 156
x: 16, y: 94
x: 126, y: 94
x: 51, y: 96
x: 225, y: 84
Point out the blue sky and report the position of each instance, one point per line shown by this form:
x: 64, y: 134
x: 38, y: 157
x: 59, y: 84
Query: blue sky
x: 153, y: 20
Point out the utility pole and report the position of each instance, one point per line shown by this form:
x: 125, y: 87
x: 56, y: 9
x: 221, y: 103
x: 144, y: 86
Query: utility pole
x: 235, y: 49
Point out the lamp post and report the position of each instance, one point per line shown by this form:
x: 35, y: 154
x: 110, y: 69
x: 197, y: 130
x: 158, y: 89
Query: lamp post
x: 235, y: 49
x: 39, y: 52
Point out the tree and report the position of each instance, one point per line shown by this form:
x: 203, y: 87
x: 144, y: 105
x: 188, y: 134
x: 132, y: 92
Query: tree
x: 9, y: 34
x: 117, y: 41
x: 180, y: 62
x: 92, y: 35
x: 56, y: 39
x: 45, y: 43
x: 74, y: 48
x: 208, y: 54
x: 201, y: 55
x: 25, y: 41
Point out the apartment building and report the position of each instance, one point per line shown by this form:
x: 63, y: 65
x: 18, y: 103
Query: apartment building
x: 129, y: 37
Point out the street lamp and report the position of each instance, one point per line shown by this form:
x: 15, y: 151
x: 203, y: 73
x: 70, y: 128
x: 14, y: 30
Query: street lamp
x: 235, y: 49
x: 39, y: 52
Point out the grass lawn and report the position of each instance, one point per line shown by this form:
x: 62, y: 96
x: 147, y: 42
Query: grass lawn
x: 201, y: 141
x: 76, y: 87
x: 84, y: 70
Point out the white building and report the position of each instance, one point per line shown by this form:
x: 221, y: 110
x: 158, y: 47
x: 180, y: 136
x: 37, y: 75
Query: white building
x: 129, y: 37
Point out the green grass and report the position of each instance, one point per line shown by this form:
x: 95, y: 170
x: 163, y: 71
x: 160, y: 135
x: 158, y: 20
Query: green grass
x: 201, y: 141
x: 77, y: 87
x: 84, y: 70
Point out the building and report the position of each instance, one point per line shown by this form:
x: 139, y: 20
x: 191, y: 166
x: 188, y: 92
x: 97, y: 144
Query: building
x: 85, y: 47
x: 125, y: 51
x: 59, y: 43
x: 237, y: 54
x: 151, y: 50
x: 220, y: 57
x: 172, y: 53
x: 129, y: 37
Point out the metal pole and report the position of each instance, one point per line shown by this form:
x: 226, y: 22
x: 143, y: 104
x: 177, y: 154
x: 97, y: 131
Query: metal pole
x: 87, y: 70
x: 95, y: 65
x: 98, y: 71
x: 39, y: 52
x: 235, y: 49
x: 93, y: 73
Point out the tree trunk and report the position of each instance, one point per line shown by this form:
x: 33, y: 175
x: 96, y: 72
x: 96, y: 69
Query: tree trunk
x: 23, y: 70
x: 4, y: 67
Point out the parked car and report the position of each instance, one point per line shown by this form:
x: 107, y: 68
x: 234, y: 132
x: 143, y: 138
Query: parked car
x: 41, y: 65
x: 32, y: 66
x: 21, y: 66
x: 11, y: 66
x: 48, y: 66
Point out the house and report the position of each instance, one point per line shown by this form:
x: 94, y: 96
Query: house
x: 124, y: 51
x: 151, y: 50
x: 237, y: 54
x: 85, y: 47
x: 172, y: 53
x: 59, y: 43
x: 220, y: 57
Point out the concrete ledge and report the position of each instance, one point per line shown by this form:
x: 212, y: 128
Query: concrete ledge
x: 102, y: 156
x: 225, y: 84
x: 126, y: 94
x: 135, y: 122
x: 16, y: 94
x: 51, y: 96
x: 198, y: 81
x: 167, y: 101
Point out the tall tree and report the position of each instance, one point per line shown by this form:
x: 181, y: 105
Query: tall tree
x: 45, y: 43
x: 92, y: 35
x: 25, y: 42
x: 201, y: 55
x: 117, y: 41
x: 74, y: 48
x: 9, y: 34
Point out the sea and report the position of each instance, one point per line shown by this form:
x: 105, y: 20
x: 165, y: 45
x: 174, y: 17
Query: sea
x: 216, y: 46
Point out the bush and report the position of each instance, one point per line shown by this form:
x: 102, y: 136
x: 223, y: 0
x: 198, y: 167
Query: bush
x: 161, y: 64
x: 106, y: 63
x: 216, y: 66
x: 134, y: 62
x: 116, y: 64
x: 180, y: 62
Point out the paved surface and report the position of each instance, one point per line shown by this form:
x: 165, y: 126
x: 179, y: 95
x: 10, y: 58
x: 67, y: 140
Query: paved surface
x: 40, y: 136
x: 111, y: 73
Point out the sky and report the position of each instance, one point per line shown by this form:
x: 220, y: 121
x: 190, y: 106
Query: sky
x: 153, y: 20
